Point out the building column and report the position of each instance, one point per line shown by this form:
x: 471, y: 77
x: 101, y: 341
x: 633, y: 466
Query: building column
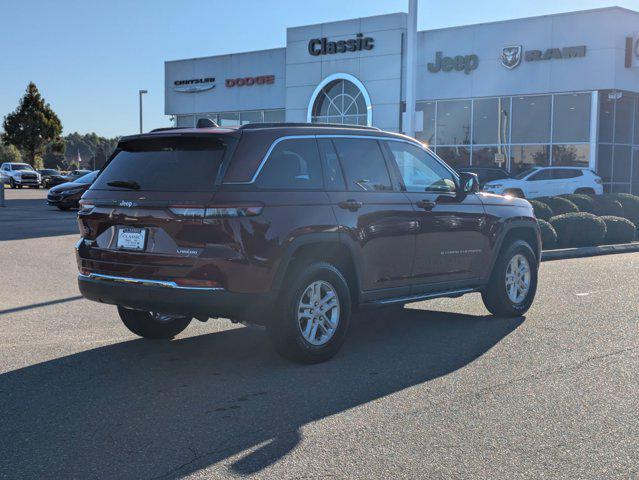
x: 594, y: 129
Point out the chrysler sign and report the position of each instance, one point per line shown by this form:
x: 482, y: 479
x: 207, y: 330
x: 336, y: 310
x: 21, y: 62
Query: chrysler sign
x: 194, y: 85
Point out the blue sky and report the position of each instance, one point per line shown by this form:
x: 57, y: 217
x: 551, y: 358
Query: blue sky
x: 89, y: 58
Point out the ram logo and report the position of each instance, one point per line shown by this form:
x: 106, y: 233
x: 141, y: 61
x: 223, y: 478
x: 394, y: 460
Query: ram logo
x: 511, y: 56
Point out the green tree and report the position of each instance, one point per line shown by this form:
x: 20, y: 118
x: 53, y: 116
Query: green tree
x: 9, y: 153
x: 33, y: 127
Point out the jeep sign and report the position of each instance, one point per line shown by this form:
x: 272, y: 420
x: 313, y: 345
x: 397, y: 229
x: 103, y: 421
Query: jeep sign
x: 460, y: 63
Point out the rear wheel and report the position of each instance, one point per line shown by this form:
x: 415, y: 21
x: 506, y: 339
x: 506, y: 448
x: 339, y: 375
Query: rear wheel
x: 313, y: 315
x: 513, y: 282
x: 153, y: 324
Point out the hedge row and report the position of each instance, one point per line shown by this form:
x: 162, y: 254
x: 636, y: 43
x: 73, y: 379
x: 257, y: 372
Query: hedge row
x: 578, y: 220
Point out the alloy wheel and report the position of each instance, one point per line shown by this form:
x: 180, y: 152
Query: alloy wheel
x: 518, y: 275
x: 318, y: 312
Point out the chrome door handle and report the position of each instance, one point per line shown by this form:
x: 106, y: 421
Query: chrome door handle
x: 425, y: 204
x: 352, y: 205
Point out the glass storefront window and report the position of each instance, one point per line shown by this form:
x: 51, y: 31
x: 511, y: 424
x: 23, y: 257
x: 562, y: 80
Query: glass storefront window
x: 571, y: 155
x: 606, y: 117
x: 427, y: 135
x: 624, y: 111
x: 621, y: 163
x: 527, y: 156
x: 490, y: 121
x: 571, y: 118
x: 455, y: 156
x: 274, y: 116
x: 490, y: 156
x: 531, y: 119
x: 604, y: 162
x: 251, y: 117
x: 229, y: 119
x: 453, y: 122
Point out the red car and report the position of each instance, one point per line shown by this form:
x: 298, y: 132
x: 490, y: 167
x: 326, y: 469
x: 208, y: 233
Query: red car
x: 294, y: 226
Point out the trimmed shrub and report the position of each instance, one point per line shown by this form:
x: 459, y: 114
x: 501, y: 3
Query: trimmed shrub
x: 542, y: 210
x: 607, y: 205
x: 619, y: 230
x: 548, y: 235
x: 578, y: 229
x: 585, y: 203
x: 559, y: 205
x: 630, y: 204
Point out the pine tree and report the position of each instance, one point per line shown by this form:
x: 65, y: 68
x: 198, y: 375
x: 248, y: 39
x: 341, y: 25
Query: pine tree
x: 33, y: 127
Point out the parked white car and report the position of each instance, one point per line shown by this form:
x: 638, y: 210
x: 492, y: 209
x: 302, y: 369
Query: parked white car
x: 547, y: 181
x: 19, y: 174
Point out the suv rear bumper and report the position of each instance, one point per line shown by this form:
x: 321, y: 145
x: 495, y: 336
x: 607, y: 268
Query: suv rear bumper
x: 168, y: 297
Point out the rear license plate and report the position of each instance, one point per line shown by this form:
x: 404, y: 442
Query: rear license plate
x: 130, y: 238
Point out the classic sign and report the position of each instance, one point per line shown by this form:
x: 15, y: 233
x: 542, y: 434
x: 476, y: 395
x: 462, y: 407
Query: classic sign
x: 322, y: 46
x: 194, y: 85
x: 460, y: 63
x: 249, y: 81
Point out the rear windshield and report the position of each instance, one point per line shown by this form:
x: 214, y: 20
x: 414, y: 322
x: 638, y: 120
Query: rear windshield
x: 165, y: 164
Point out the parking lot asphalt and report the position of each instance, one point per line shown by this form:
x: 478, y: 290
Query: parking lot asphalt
x: 438, y: 390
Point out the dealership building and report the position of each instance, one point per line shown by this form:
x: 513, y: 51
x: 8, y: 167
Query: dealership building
x: 551, y: 90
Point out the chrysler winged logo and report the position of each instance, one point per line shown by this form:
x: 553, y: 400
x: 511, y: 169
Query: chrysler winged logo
x: 511, y: 56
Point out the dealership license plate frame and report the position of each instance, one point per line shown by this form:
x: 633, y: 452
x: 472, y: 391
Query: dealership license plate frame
x: 135, y: 241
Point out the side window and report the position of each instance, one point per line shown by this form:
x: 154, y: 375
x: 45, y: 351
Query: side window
x: 333, y: 176
x: 292, y: 165
x: 541, y: 175
x: 562, y: 173
x: 364, y: 165
x: 420, y: 171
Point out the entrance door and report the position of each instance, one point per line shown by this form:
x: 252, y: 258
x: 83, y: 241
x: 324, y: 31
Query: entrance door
x: 452, y: 247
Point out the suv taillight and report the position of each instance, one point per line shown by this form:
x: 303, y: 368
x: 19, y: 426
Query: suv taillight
x: 217, y: 211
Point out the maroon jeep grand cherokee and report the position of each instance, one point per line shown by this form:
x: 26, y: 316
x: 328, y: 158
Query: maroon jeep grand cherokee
x: 294, y: 226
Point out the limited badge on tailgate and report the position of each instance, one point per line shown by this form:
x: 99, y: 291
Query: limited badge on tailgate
x: 130, y: 238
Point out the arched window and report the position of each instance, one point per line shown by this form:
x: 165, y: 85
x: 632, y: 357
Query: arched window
x: 340, y: 98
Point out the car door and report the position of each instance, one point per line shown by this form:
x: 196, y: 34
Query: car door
x: 540, y: 184
x: 570, y: 179
x: 375, y: 218
x: 452, y: 245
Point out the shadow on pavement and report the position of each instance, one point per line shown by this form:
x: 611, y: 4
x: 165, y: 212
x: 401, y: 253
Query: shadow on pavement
x: 32, y: 218
x: 38, y: 305
x: 144, y: 409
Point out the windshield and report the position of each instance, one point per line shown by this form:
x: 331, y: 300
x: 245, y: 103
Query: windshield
x: 49, y: 172
x: 88, y: 178
x: 525, y: 173
x: 21, y: 166
x: 184, y: 164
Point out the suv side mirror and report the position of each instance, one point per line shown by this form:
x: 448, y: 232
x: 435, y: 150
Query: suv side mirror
x: 468, y: 182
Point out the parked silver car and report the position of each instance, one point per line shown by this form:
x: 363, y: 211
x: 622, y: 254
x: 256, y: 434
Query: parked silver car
x: 20, y: 175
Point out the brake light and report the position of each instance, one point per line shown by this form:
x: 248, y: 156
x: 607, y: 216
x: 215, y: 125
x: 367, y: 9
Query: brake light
x: 217, y: 211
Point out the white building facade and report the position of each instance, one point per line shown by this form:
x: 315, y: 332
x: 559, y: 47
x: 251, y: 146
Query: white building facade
x: 552, y: 90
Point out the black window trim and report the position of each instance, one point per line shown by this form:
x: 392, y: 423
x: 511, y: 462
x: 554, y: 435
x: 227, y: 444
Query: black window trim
x: 379, y: 138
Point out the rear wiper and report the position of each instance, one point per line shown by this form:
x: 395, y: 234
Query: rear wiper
x: 124, y: 184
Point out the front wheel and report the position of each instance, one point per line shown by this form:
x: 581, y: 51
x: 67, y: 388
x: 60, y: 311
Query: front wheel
x: 12, y: 183
x: 313, y: 315
x: 153, y: 325
x: 513, y: 283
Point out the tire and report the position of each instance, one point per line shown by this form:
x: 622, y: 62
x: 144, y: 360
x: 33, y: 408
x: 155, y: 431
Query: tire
x: 514, y: 192
x: 585, y: 191
x: 496, y: 296
x: 285, y: 330
x: 12, y: 183
x: 152, y: 325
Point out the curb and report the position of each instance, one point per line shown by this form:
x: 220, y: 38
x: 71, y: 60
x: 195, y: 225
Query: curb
x: 565, y: 253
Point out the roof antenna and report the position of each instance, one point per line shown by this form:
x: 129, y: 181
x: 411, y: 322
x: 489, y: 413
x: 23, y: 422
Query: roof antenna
x: 206, y: 123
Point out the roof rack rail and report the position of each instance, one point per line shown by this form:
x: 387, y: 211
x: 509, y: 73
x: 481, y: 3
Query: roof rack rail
x: 163, y: 129
x: 254, y: 126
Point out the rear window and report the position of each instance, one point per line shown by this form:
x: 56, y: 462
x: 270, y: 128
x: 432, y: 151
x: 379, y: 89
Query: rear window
x: 165, y: 164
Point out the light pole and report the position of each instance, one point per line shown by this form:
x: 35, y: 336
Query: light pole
x: 141, y: 92
x: 411, y: 58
